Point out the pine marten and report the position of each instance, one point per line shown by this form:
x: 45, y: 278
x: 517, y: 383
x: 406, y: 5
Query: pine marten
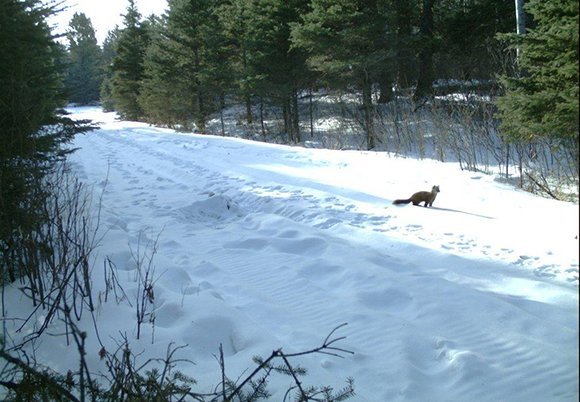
x: 422, y: 196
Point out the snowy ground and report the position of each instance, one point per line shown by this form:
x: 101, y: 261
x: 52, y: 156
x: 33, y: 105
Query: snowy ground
x: 263, y: 246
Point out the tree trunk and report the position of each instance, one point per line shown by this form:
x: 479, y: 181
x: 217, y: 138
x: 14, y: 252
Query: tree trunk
x: 286, y: 113
x: 247, y: 95
x: 222, y: 107
x: 249, y: 118
x: 520, y: 17
x: 295, y: 117
x: 200, y: 112
x: 404, y: 51
x: 311, y: 112
x: 426, y: 75
x: 520, y: 21
x: 368, y: 113
x: 262, y: 118
x: 386, y: 88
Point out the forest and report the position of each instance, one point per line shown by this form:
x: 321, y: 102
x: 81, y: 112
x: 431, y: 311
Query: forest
x: 470, y: 81
x: 448, y: 80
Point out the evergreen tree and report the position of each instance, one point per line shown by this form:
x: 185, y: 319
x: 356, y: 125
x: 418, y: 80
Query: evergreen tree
x: 32, y: 129
x: 345, y: 41
x: 235, y: 18
x: 108, y: 54
x: 84, y: 76
x: 30, y: 78
x: 161, y: 98
x: 543, y: 102
x: 279, y: 70
x: 127, y: 67
x: 179, y: 82
x: 467, y: 33
x: 426, y: 74
x: 404, y: 17
x: 220, y: 73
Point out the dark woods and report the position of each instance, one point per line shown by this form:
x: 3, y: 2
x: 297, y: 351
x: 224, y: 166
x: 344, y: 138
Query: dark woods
x: 179, y: 68
x: 33, y: 127
x: 431, y: 78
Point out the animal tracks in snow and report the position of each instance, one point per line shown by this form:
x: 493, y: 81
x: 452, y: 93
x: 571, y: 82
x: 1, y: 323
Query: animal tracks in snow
x: 309, y: 246
x: 228, y: 196
x: 261, y: 247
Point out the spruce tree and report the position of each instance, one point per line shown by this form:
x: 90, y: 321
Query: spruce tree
x: 236, y: 20
x: 426, y: 74
x: 468, y: 47
x: 163, y: 98
x: 188, y: 66
x: 108, y: 55
x: 220, y: 73
x: 32, y: 128
x: 127, y: 67
x: 84, y: 75
x: 542, y: 103
x: 404, y: 17
x: 30, y: 79
x: 279, y: 71
x: 345, y: 41
x: 178, y: 82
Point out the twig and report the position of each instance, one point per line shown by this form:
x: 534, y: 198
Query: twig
x: 326, y: 345
x: 296, y: 380
x: 223, y: 368
x: 45, y: 378
x: 542, y: 187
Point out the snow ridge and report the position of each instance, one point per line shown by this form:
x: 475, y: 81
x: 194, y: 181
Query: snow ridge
x: 264, y: 246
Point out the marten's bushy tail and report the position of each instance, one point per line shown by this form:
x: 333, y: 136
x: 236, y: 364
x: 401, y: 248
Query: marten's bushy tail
x: 397, y: 202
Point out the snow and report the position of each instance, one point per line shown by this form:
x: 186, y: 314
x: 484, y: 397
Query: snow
x: 263, y: 246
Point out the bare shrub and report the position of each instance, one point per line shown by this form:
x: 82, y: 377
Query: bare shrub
x: 52, y: 259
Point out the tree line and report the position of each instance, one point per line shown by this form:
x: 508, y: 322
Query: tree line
x: 33, y: 126
x: 179, y: 68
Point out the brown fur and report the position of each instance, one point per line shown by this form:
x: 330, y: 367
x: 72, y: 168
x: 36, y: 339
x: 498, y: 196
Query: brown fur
x: 422, y: 196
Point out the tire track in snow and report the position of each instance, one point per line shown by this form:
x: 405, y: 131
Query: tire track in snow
x: 308, y: 298
x: 309, y: 205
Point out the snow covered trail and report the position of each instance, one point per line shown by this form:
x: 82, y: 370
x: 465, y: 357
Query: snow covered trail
x: 264, y: 246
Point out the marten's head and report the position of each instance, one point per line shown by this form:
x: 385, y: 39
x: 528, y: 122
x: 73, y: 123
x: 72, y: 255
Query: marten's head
x: 435, y: 189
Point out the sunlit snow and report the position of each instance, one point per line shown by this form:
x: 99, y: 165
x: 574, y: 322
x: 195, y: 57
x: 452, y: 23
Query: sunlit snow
x: 264, y: 246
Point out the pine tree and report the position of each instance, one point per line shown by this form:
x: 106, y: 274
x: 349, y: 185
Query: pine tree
x: 279, y: 71
x: 84, y: 75
x: 235, y: 18
x: 467, y: 37
x: 30, y: 78
x: 426, y: 74
x: 179, y: 85
x: 32, y: 130
x: 543, y: 102
x: 218, y: 74
x: 345, y: 41
x: 161, y: 98
x: 404, y: 17
x: 108, y: 55
x: 127, y: 65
